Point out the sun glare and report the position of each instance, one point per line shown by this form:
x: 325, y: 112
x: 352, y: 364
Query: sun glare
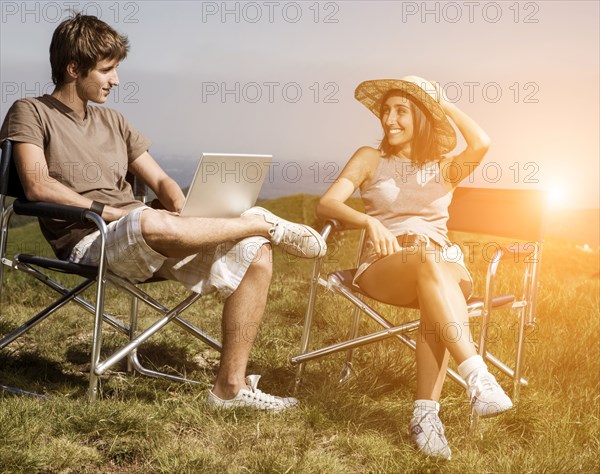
x: 557, y: 197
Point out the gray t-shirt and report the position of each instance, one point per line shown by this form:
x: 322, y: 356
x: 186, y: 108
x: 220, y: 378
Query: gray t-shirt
x: 408, y: 199
x: 90, y: 156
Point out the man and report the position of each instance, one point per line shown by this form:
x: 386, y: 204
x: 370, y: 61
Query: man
x: 69, y: 152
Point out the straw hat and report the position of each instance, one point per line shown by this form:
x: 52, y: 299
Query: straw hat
x: 422, y: 92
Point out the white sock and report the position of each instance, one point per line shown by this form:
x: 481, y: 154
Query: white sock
x: 468, y: 366
x: 423, y: 406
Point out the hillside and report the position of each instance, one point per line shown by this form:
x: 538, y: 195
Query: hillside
x: 579, y: 225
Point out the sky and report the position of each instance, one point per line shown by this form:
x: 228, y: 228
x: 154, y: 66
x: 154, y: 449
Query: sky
x: 278, y: 77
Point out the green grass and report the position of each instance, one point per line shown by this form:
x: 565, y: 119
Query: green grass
x: 143, y: 425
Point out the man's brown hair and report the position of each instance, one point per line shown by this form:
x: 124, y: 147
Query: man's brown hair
x: 84, y: 40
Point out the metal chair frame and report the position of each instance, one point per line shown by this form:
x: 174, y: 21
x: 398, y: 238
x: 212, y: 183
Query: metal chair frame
x: 518, y: 214
x: 10, y: 186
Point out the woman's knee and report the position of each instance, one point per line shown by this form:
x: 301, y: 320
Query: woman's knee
x: 429, y: 266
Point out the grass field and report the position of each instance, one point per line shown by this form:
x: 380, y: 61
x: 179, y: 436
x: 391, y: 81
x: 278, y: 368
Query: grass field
x: 143, y: 425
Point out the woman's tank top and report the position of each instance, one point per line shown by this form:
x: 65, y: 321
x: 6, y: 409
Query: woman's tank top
x: 408, y: 199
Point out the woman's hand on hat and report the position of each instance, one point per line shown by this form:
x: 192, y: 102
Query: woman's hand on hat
x: 441, y: 96
x: 384, y: 242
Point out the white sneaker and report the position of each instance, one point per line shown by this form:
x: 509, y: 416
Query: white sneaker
x: 253, y: 398
x: 427, y: 432
x: 296, y: 239
x: 487, y: 397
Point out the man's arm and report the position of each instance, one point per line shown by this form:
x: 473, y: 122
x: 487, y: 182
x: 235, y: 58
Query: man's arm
x: 166, y: 189
x: 40, y: 186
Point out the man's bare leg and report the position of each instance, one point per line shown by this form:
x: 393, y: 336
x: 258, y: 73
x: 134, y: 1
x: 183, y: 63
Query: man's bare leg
x: 175, y: 236
x: 242, y: 314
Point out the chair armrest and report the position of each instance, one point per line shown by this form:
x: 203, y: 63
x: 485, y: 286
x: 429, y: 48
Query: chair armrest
x: 526, y: 253
x: 331, y: 225
x: 335, y: 224
x: 517, y: 250
x: 51, y: 210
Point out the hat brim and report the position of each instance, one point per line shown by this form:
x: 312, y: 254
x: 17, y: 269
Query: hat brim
x: 371, y: 94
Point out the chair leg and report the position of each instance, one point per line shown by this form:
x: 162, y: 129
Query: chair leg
x: 473, y: 421
x: 100, y: 368
x: 519, y: 357
x: 56, y: 286
x: 347, y: 368
x: 38, y: 318
x: 485, y: 318
x: 97, y: 335
x: 526, y: 317
x: 96, y: 344
x: 139, y: 368
x: 308, y: 319
x: 486, y: 313
x: 18, y: 391
x: 133, y: 361
x: 5, y: 215
x: 133, y: 315
x: 1, y: 280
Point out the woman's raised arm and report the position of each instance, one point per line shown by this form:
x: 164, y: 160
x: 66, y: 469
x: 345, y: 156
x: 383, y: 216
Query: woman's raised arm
x: 478, y: 142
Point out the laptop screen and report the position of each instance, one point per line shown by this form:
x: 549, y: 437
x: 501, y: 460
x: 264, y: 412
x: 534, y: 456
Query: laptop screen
x: 225, y: 185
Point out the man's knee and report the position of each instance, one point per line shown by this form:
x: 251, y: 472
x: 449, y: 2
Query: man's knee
x: 157, y: 226
x: 263, y: 262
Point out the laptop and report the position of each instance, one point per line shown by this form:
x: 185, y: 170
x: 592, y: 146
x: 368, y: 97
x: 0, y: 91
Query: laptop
x: 225, y: 185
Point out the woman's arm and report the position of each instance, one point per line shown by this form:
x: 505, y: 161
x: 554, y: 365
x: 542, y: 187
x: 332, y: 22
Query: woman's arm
x: 332, y: 204
x: 478, y: 143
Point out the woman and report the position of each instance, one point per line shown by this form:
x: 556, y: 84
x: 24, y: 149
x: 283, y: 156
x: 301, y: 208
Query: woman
x: 406, y: 186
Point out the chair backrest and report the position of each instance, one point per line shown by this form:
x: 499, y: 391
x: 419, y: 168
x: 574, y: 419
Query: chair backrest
x: 10, y: 184
x: 513, y: 213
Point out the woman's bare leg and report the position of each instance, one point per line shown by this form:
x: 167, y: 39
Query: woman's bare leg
x: 443, y: 304
x: 402, y: 277
x: 432, y: 362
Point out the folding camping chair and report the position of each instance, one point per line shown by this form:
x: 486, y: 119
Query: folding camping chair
x: 36, y: 266
x: 515, y: 214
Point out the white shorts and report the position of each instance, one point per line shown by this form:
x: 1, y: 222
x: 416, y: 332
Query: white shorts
x: 218, y: 267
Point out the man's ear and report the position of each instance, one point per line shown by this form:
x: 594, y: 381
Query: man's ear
x: 73, y: 70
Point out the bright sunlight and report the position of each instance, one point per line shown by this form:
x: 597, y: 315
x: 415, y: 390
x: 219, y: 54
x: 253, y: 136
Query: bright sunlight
x: 558, y: 196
